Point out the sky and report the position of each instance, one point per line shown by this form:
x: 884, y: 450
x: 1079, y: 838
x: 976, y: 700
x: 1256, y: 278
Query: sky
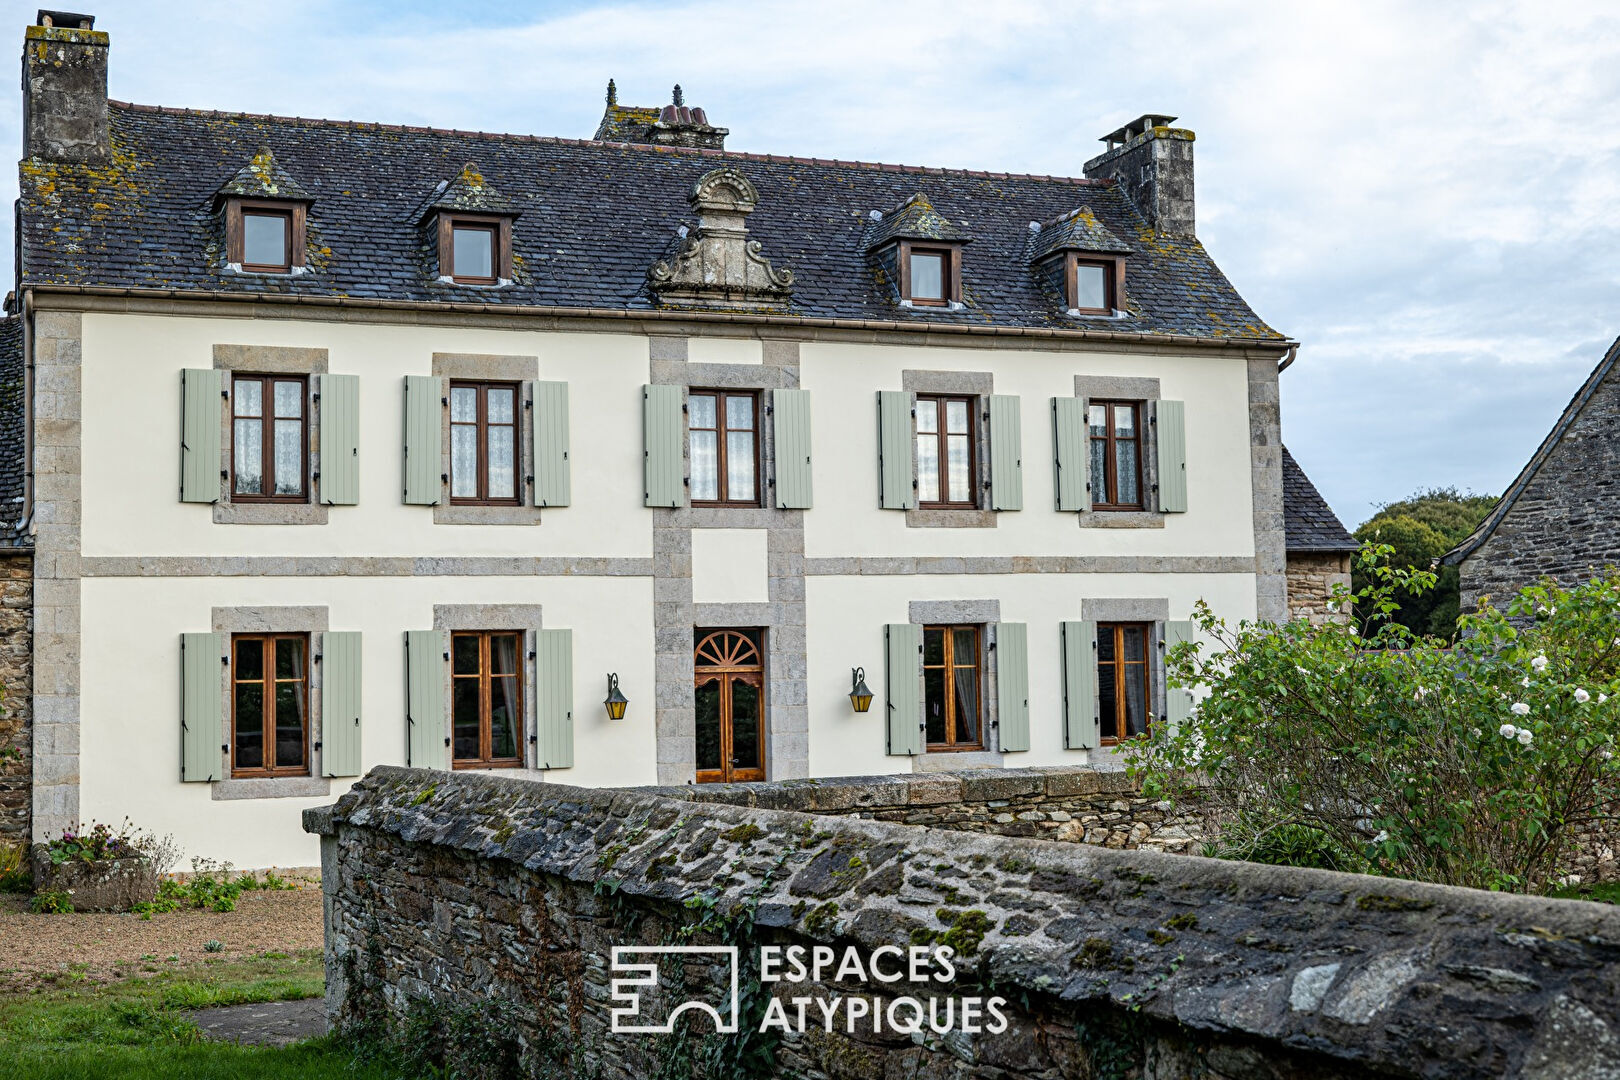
x: 1425, y: 196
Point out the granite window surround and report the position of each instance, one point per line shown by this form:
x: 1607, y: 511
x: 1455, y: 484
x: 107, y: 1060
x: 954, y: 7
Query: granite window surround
x: 272, y: 620
x: 484, y: 367
x: 985, y: 614
x: 271, y: 360
x: 1154, y: 611
x: 1145, y: 391
x: 979, y: 385
x: 523, y: 618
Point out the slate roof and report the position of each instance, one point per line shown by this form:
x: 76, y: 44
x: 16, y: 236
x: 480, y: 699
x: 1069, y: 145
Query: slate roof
x: 595, y: 217
x: 1078, y: 230
x: 264, y: 178
x: 914, y: 219
x: 1483, y: 533
x: 12, y: 534
x: 1309, y: 523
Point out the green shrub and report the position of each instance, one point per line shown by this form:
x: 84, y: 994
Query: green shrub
x: 1285, y: 845
x: 51, y: 903
x: 1471, y: 764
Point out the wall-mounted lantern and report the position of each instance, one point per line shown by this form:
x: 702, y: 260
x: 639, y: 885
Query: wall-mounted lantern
x: 859, y: 695
x: 616, y: 702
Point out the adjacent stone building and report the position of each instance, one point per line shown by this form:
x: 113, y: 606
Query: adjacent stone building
x: 1560, y: 518
x: 16, y: 598
x: 1319, y: 548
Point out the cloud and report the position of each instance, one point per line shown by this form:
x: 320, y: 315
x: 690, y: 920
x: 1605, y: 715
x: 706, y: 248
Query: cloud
x: 1424, y: 195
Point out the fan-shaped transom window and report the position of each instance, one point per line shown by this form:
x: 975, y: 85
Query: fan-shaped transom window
x: 729, y: 692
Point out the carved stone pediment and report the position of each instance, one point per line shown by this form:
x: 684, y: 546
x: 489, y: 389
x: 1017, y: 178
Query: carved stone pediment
x: 719, y: 266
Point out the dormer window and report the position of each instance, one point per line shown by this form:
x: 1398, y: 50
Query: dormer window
x: 1093, y: 284
x: 475, y: 250
x: 930, y: 276
x: 1079, y: 257
x: 264, y: 236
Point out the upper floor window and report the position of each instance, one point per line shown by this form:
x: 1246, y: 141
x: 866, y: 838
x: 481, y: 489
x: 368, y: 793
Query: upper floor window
x: 1123, y: 680
x: 951, y: 679
x: 475, y: 250
x: 270, y: 705
x: 1114, y: 431
x: 269, y: 438
x: 1093, y: 285
x: 265, y: 237
x: 486, y: 711
x: 724, y: 433
x: 483, y: 443
x: 945, y: 452
x: 930, y: 276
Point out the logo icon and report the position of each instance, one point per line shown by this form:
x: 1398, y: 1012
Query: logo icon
x: 627, y: 1017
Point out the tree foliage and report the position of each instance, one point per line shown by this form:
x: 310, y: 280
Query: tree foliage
x: 1472, y: 764
x: 1419, y: 530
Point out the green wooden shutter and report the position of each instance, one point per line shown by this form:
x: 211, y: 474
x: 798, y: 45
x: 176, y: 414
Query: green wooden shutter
x: 1080, y: 730
x: 897, y: 488
x: 424, y: 417
x: 1070, y: 460
x: 790, y: 412
x: 1006, y: 453
x: 554, y: 698
x: 428, y: 745
x: 340, y: 440
x: 1178, y: 701
x: 1170, y: 417
x: 551, y: 470
x: 340, y: 703
x: 201, y: 415
x: 903, y: 682
x: 202, y: 695
x: 1012, y: 684
x: 662, y: 439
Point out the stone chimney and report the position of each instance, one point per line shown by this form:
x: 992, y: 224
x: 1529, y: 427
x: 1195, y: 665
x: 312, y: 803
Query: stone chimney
x: 676, y: 124
x: 1153, y: 163
x: 64, y: 84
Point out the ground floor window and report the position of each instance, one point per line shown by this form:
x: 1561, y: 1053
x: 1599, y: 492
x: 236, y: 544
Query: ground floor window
x: 486, y: 676
x: 270, y: 705
x: 951, y: 681
x: 729, y: 687
x: 1124, y: 680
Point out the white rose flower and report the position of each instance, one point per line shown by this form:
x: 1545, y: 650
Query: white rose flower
x: 1602, y: 698
x: 1525, y: 682
x: 1383, y: 834
x: 1520, y: 709
x: 1539, y: 663
x: 1507, y: 731
x: 1582, y: 696
x: 1525, y: 736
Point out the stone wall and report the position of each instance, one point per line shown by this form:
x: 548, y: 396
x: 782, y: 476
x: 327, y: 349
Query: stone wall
x: 506, y: 898
x: 1077, y: 805
x: 1312, y: 576
x: 16, y: 709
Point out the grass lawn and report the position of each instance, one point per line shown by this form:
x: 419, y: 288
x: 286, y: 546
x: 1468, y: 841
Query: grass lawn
x: 140, y: 1027
x: 1606, y: 893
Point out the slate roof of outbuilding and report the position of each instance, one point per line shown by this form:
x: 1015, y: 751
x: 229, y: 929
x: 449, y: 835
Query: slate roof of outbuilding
x: 1309, y: 523
x: 12, y: 534
x: 595, y: 217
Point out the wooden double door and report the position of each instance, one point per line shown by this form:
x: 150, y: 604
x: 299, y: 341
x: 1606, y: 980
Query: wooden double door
x: 729, y: 687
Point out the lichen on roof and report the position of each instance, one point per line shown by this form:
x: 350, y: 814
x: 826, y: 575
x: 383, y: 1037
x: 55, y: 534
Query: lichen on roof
x: 264, y: 178
x: 915, y: 219
x: 1078, y: 230
x: 468, y: 192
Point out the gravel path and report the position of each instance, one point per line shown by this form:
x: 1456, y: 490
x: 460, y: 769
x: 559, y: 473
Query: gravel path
x: 43, y: 949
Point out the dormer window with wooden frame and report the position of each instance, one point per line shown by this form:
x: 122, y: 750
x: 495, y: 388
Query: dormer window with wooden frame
x: 264, y: 236
x: 1093, y: 284
x: 475, y: 249
x: 930, y: 275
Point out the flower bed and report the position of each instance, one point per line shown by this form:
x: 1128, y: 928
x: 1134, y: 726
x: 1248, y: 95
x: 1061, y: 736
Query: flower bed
x: 99, y: 869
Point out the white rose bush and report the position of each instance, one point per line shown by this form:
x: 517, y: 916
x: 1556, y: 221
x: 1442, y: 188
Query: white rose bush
x: 1469, y: 763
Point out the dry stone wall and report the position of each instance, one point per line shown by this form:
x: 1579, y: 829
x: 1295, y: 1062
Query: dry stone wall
x: 16, y: 709
x: 465, y: 891
x: 1312, y: 576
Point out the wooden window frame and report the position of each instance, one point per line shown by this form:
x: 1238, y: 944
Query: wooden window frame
x: 501, y: 256
x: 267, y: 422
x: 720, y: 429
x: 972, y: 502
x: 269, y: 680
x: 950, y: 272
x: 296, y: 214
x: 950, y: 666
x: 1110, y: 470
x: 486, y: 683
x: 483, y: 386
x: 1113, y: 278
x: 728, y: 674
x: 1119, y: 664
